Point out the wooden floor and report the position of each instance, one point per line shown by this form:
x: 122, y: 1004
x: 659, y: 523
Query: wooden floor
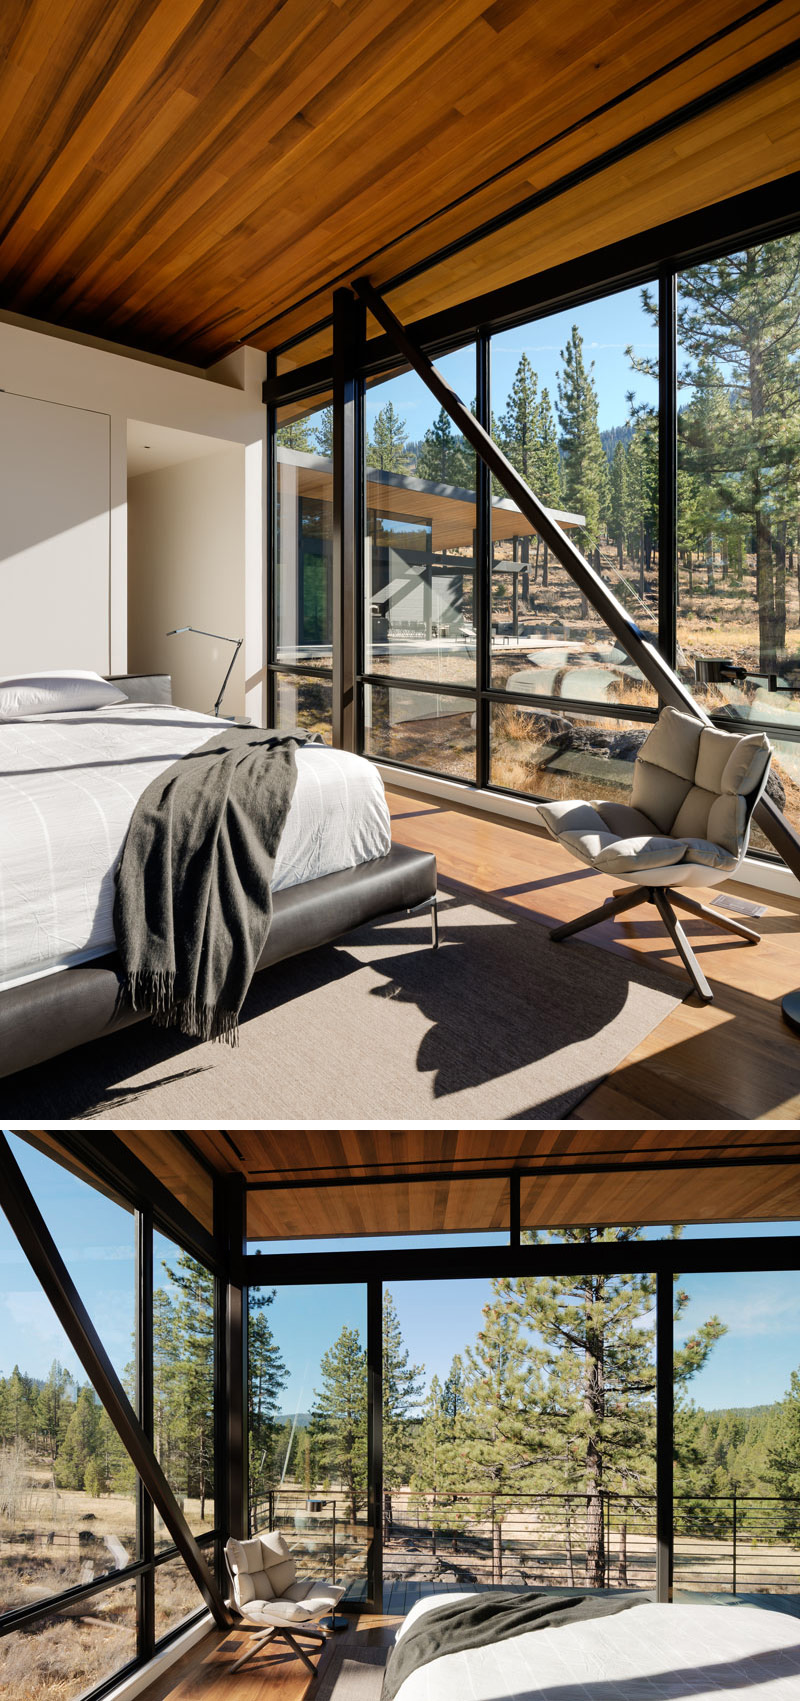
x: 735, y: 1058
x: 205, y: 1671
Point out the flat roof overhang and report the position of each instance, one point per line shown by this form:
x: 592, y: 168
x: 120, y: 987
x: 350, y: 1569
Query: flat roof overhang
x: 303, y: 1181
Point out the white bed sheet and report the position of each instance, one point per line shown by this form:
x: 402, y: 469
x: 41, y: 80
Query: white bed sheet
x: 653, y: 1653
x: 68, y: 785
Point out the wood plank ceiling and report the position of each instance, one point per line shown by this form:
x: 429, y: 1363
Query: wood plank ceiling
x: 185, y: 175
x: 429, y: 1182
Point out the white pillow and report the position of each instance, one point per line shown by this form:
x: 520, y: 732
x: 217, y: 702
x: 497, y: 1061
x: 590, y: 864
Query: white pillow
x: 54, y: 693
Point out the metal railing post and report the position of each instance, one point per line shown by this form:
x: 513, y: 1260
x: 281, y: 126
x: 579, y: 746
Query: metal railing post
x: 333, y: 1545
x: 734, y: 1543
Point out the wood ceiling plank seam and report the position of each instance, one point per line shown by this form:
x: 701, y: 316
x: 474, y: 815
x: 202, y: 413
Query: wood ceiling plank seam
x: 123, y: 70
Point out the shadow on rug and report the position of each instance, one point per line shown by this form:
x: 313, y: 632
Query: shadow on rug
x: 498, y: 1024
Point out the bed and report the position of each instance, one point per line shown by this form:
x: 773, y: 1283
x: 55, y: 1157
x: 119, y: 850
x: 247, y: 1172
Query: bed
x: 652, y: 1653
x: 69, y: 779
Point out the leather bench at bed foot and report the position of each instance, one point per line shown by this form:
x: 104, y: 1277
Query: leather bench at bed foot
x: 57, y: 1012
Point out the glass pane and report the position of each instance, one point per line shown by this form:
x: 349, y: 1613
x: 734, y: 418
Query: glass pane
x: 737, y: 1505
x: 71, y: 1651
x: 421, y: 728
x: 67, y: 1485
x: 476, y: 1373
x: 307, y: 1396
x: 544, y: 754
x: 419, y: 571
x: 563, y: 413
x: 738, y: 509
x: 183, y: 1383
x: 177, y: 1595
x: 304, y: 703
x: 303, y: 597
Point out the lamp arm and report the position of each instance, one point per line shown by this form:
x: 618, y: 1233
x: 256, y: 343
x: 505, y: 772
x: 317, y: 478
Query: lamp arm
x: 239, y: 643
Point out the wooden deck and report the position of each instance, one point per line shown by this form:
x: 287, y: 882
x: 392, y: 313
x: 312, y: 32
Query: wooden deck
x: 735, y: 1058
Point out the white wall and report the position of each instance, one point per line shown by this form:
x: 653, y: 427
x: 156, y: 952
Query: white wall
x: 54, y: 535
x: 54, y: 368
x: 186, y: 567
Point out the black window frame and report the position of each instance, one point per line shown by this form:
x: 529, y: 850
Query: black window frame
x: 656, y: 257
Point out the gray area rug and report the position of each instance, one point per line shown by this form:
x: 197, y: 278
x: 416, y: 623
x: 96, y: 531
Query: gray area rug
x: 498, y: 1024
x: 352, y: 1674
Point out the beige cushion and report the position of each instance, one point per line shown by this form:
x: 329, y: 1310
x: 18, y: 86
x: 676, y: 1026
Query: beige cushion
x: 632, y: 855
x: 277, y: 1561
x: 744, y: 769
x: 246, y: 1555
x: 712, y: 856
x: 244, y: 1588
x: 657, y: 792
x: 691, y: 821
x: 673, y: 743
x: 727, y: 822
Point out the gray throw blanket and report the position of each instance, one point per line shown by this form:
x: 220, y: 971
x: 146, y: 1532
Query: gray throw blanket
x: 193, y: 902
x: 484, y: 1619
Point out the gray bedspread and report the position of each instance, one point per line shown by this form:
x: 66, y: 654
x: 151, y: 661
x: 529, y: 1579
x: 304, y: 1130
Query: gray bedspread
x: 193, y: 900
x: 487, y: 1618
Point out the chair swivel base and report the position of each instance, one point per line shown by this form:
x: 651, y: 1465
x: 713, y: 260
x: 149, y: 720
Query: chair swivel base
x: 259, y: 1640
x: 664, y: 897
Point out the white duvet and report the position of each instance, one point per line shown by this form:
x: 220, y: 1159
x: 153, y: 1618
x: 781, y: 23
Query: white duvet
x: 68, y: 784
x: 652, y: 1653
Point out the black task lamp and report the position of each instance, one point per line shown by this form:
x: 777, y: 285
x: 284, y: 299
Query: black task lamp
x: 175, y: 632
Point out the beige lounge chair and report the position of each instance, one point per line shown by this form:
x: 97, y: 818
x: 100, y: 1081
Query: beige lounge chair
x: 274, y: 1602
x: 687, y: 824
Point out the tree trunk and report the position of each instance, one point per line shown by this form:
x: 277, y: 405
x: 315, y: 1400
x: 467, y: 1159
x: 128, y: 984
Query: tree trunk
x: 594, y: 1407
x: 622, y: 1571
x: 387, y: 1514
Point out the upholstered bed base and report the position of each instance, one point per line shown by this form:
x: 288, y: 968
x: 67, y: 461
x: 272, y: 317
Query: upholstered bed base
x: 45, y: 1017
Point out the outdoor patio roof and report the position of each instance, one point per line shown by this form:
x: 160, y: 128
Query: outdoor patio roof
x: 185, y: 177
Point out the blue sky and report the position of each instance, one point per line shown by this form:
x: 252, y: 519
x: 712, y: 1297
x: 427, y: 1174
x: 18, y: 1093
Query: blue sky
x: 750, y: 1366
x: 607, y: 327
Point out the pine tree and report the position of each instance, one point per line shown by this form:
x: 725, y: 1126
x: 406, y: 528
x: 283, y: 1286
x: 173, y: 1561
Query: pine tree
x: 53, y: 1408
x: 444, y: 457
x: 183, y: 1357
x: 401, y: 1390
x: 454, y: 1393
x: 297, y: 434
x: 266, y: 1377
x: 583, y: 461
x: 783, y: 1458
x: 81, y: 1442
x: 437, y: 1473
x: 597, y: 1367
x: 340, y: 1416
x: 519, y: 426
x: 387, y: 446
x: 496, y: 1438
x: 323, y: 433
x: 619, y: 515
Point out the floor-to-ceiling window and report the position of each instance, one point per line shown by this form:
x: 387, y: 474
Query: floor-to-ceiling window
x: 739, y: 494
x: 302, y: 636
x: 419, y: 576
x: 480, y: 659
x: 90, y: 1580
